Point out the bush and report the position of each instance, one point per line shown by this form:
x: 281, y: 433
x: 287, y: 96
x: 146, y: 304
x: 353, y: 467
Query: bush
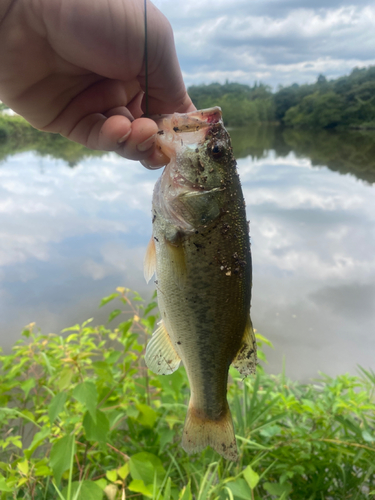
x: 82, y: 418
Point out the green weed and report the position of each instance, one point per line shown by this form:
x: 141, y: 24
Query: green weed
x: 82, y: 418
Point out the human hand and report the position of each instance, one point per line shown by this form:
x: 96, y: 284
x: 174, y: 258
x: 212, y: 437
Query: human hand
x: 76, y: 67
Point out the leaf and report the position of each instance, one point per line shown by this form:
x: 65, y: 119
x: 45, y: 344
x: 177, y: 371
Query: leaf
x: 42, y: 470
x: 277, y: 488
x: 26, y: 333
x: 4, y: 486
x: 102, y: 483
x: 38, y: 439
x: 96, y: 430
x: 263, y: 339
x: 65, y: 378
x: 27, y: 385
x: 240, y: 489
x: 123, y: 471
x: 105, y: 300
x: 186, y: 493
x: 167, y: 490
x: 251, y: 477
x: 166, y: 436
x: 138, y: 486
x: 270, y: 431
x: 149, y: 308
x: 147, y: 415
x: 23, y: 467
x: 56, y: 405
x: 368, y: 437
x: 60, y: 456
x: 114, y: 314
x: 124, y: 327
x: 144, y: 465
x: 75, y: 328
x: 111, y: 475
x: 87, y: 395
x: 88, y: 491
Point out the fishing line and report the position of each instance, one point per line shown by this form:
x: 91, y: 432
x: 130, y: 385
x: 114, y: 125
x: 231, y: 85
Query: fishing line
x: 146, y: 61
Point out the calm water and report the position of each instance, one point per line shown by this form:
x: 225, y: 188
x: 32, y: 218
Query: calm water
x: 73, y: 229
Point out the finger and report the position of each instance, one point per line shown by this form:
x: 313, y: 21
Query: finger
x: 156, y: 160
x: 135, y: 105
x: 140, y: 144
x: 121, y: 111
x: 91, y: 105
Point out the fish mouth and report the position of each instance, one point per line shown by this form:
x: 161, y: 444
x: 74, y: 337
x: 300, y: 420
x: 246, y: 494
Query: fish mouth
x: 188, y: 122
x: 185, y: 129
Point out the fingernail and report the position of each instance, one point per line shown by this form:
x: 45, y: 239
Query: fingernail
x: 149, y: 167
x: 124, y: 137
x: 144, y: 146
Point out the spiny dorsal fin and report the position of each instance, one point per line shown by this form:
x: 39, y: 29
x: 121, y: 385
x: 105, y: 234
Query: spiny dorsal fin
x: 161, y: 356
x: 246, y: 360
x: 149, y: 264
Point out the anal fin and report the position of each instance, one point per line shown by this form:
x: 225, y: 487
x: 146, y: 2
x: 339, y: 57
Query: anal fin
x: 161, y: 357
x: 246, y: 359
x: 149, y: 265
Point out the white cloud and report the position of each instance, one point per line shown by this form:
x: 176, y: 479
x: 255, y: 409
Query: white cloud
x: 273, y: 41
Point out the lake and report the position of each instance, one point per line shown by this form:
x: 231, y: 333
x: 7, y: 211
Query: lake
x: 75, y: 224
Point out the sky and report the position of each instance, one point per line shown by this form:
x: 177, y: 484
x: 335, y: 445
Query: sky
x: 277, y: 42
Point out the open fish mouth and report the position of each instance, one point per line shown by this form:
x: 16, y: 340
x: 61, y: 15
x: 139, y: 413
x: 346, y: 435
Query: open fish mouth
x: 188, y: 122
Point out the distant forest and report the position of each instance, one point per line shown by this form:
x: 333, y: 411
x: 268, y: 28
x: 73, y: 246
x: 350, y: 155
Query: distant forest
x: 346, y: 102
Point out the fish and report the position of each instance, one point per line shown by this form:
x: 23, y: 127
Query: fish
x: 200, y: 252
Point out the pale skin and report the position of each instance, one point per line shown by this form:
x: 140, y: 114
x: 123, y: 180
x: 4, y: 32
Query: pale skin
x: 76, y: 67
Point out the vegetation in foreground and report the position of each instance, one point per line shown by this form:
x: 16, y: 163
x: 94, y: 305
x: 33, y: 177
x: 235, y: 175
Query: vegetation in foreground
x: 82, y: 418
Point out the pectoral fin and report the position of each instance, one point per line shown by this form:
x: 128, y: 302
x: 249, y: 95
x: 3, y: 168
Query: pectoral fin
x: 246, y: 360
x: 149, y: 265
x: 161, y: 356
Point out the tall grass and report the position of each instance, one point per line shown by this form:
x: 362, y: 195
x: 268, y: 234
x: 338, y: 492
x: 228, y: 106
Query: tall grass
x: 82, y: 418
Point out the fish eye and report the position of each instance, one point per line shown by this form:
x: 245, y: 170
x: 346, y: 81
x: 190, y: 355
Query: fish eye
x: 217, y: 151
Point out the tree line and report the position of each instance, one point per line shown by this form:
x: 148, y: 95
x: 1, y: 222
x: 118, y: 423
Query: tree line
x: 345, y: 102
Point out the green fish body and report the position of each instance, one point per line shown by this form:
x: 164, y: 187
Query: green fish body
x: 200, y: 251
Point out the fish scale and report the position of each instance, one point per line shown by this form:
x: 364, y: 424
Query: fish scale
x: 200, y: 251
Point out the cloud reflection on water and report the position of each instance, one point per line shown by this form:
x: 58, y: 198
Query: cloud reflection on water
x: 70, y: 236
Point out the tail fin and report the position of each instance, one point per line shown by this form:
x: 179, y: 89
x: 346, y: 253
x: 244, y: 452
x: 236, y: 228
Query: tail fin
x: 200, y: 432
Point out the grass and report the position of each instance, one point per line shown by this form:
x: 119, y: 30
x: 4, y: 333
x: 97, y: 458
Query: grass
x: 82, y: 418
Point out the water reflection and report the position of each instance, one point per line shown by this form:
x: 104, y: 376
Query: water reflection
x: 70, y: 236
x: 346, y: 152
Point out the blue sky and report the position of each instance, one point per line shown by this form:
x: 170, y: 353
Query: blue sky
x: 273, y: 41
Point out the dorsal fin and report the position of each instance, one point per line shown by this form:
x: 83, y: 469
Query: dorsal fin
x: 149, y: 264
x: 161, y: 356
x: 246, y: 359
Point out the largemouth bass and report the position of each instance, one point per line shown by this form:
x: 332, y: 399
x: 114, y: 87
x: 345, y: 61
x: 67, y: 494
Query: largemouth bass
x: 200, y: 251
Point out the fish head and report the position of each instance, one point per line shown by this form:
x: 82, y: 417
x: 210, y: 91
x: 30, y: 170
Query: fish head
x: 199, y: 149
